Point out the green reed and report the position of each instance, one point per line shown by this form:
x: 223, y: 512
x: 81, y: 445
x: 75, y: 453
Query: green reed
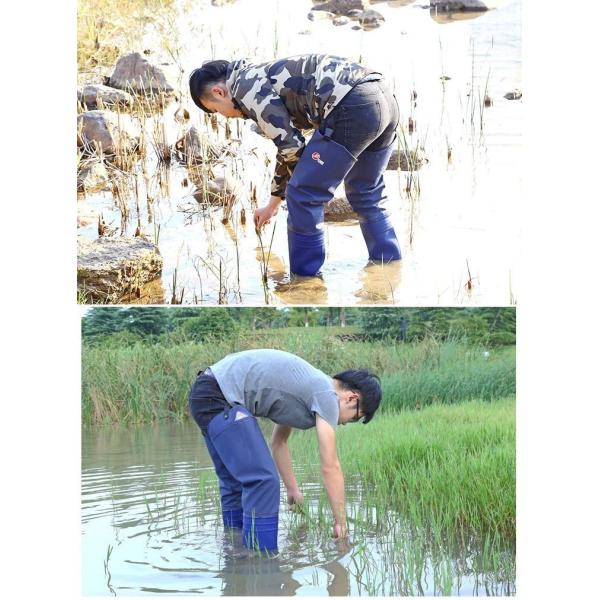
x: 146, y: 383
x: 450, y: 469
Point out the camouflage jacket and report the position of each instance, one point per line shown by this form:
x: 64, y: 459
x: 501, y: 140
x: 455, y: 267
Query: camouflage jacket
x: 287, y: 95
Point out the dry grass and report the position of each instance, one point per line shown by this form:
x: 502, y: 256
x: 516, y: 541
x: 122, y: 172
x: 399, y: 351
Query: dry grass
x: 106, y: 28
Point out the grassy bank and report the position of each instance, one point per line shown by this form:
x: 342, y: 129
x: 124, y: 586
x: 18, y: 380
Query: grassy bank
x: 146, y: 383
x: 447, y: 468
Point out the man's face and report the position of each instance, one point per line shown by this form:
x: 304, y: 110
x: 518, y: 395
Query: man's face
x: 218, y: 100
x: 349, y: 407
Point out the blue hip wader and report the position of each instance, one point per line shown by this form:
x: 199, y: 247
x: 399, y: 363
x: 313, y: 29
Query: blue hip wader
x: 324, y: 164
x: 248, y: 478
x: 365, y: 190
x: 321, y: 168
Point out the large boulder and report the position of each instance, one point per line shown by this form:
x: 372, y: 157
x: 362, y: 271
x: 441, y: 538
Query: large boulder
x: 102, y: 131
x: 459, y: 5
x: 94, y: 96
x: 110, y: 268
x: 134, y: 73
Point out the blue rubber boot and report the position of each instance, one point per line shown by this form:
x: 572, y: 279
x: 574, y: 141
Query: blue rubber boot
x: 321, y: 168
x: 365, y: 190
x: 240, y: 445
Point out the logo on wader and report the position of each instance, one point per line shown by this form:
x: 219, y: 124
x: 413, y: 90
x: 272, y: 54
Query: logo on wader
x: 316, y: 156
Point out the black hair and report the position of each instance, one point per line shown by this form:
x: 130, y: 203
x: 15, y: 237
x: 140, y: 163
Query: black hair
x: 367, y: 385
x: 201, y: 79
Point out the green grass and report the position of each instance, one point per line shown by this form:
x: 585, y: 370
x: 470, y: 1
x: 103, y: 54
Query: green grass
x: 148, y: 383
x: 449, y: 468
x: 430, y: 499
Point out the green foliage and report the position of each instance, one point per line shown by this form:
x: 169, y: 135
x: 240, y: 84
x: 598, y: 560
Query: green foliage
x: 489, y: 326
x: 146, y: 320
x: 215, y: 323
x: 414, y: 375
x: 102, y: 321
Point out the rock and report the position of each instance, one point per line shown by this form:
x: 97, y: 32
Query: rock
x: 354, y: 13
x: 370, y: 19
x: 339, y: 209
x: 215, y: 186
x: 514, y: 95
x: 458, y: 5
x: 222, y: 2
x: 92, y: 176
x: 412, y: 161
x: 99, y: 96
x: 357, y: 28
x: 320, y: 16
x: 106, y: 132
x: 195, y: 147
x: 340, y: 7
x: 341, y: 20
x: 110, y: 268
x: 230, y: 178
x: 134, y: 73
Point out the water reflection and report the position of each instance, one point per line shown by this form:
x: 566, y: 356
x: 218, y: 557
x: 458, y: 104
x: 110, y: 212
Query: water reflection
x: 380, y: 283
x: 245, y: 573
x: 150, y: 496
x: 443, y: 17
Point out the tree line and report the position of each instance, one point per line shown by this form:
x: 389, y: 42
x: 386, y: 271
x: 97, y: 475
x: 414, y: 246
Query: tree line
x: 129, y: 325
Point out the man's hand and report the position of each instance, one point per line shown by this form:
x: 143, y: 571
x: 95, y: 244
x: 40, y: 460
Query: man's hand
x: 339, y: 531
x: 295, y: 500
x: 263, y: 215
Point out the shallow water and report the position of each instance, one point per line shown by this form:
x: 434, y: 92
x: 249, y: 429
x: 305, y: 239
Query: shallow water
x: 151, y: 524
x: 458, y: 224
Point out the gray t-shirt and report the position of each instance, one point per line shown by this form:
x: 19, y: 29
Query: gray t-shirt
x: 278, y: 385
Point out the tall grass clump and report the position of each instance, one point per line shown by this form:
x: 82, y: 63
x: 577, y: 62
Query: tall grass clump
x: 450, y: 470
x: 144, y: 382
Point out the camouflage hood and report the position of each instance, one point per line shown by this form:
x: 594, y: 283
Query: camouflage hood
x: 290, y: 94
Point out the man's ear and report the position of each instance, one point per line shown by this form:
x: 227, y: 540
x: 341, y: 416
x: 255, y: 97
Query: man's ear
x: 218, y: 91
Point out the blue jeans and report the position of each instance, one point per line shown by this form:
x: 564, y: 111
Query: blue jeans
x: 365, y: 119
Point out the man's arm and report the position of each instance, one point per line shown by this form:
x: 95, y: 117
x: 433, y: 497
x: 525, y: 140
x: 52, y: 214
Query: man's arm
x: 267, y: 108
x: 283, y: 460
x: 333, y: 478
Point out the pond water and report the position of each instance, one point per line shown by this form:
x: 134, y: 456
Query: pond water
x: 456, y: 218
x: 151, y: 524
